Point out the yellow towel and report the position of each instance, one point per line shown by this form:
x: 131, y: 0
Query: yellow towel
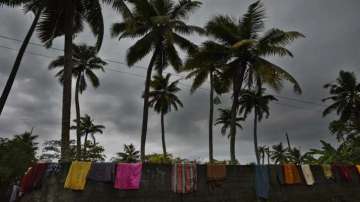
x: 327, y: 171
x: 358, y: 168
x: 76, y: 178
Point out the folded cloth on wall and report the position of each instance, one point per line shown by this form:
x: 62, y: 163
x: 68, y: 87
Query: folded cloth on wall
x: 102, y: 172
x: 308, y: 175
x: 184, y: 178
x: 291, y: 174
x: 128, y: 176
x: 343, y: 172
x: 14, y: 193
x: 33, y: 177
x: 76, y: 178
x: 262, y: 184
x: 327, y: 171
x: 358, y: 168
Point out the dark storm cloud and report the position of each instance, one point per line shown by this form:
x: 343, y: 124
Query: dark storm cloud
x: 331, y: 28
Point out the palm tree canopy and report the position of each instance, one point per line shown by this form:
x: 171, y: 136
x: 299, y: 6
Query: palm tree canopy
x: 225, y: 120
x: 130, y: 155
x: 241, y: 41
x: 87, y: 126
x: 255, y: 100
x: 345, y: 95
x: 85, y: 61
x: 279, y: 154
x: 163, y: 94
x: 160, y: 25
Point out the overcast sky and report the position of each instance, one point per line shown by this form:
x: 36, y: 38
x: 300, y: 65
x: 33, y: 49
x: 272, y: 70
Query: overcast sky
x: 332, y: 43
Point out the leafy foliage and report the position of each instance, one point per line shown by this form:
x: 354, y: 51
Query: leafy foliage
x: 225, y: 119
x: 130, y: 155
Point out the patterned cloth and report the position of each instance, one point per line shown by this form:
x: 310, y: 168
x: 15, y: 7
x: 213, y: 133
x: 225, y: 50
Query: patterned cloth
x: 184, y: 178
x: 308, y: 175
x: 291, y: 174
x: 262, y: 183
x: 102, y: 172
x: 327, y: 171
x: 76, y: 178
x: 128, y: 176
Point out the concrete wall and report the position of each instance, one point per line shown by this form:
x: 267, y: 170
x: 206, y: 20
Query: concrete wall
x: 239, y: 187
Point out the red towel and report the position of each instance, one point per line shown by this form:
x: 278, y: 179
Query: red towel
x: 184, y: 178
x: 343, y: 171
x: 32, y: 178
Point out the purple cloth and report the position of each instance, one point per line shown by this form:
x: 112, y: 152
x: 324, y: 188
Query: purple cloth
x: 102, y: 172
x: 128, y: 176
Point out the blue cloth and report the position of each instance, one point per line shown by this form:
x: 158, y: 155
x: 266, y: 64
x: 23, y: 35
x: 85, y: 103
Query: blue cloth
x: 262, y: 182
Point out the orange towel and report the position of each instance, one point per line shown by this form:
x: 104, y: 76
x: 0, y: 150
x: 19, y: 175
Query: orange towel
x: 291, y: 174
x: 358, y: 168
x: 216, y: 172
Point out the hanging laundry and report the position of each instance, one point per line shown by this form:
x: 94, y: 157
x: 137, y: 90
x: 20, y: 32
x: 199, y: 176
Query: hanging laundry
x: 327, y: 171
x: 343, y: 172
x: 216, y: 175
x: 128, y: 176
x: 358, y: 168
x: 308, y: 175
x: 102, y: 172
x: 14, y: 193
x: 33, y: 177
x: 184, y: 178
x: 262, y: 184
x: 291, y: 174
x: 277, y: 176
x: 76, y: 178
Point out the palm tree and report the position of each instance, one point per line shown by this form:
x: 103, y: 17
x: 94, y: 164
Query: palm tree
x: 130, y: 155
x: 345, y: 95
x: 225, y: 120
x: 206, y: 64
x: 85, y: 61
x: 87, y: 127
x: 279, y: 154
x: 67, y: 18
x: 163, y: 98
x: 35, y: 7
x: 246, y: 50
x: 258, y: 102
x: 159, y: 25
x: 295, y: 156
x: 261, y: 151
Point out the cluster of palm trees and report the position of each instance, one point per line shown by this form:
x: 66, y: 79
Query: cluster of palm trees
x: 233, y: 57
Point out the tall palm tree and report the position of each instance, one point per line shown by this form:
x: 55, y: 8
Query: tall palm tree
x: 159, y: 24
x: 246, y: 50
x: 163, y: 98
x: 345, y: 95
x: 87, y: 127
x: 279, y: 154
x: 202, y: 65
x: 225, y: 120
x: 85, y: 61
x: 257, y: 102
x: 32, y: 6
x: 67, y: 18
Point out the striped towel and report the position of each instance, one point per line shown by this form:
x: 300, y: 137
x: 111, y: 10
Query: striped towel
x: 184, y: 178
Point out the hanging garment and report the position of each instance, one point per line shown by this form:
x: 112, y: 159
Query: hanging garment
x: 327, y: 171
x: 14, y: 193
x: 128, y: 176
x: 343, y: 172
x: 76, y: 178
x: 102, y: 172
x: 184, y: 178
x: 262, y: 184
x: 33, y: 177
x: 291, y: 174
x: 358, y: 168
x: 216, y: 175
x: 308, y: 175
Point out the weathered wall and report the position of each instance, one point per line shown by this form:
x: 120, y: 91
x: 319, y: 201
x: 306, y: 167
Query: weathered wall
x: 239, y: 187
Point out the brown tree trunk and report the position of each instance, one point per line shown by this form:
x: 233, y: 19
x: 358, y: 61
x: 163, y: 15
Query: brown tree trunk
x: 66, y: 102
x: 163, y: 135
x: 18, y: 60
x: 146, y: 106
x: 211, y: 117
x: 77, y: 105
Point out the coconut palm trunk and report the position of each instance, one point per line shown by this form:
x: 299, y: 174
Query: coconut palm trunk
x: 211, y: 118
x: 237, y: 84
x: 146, y: 105
x: 18, y: 60
x: 85, y: 144
x: 255, y: 138
x: 66, y: 108
x: 163, y: 134
x: 77, y: 105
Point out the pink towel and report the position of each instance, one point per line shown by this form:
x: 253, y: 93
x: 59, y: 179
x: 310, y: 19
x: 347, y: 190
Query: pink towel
x: 128, y: 176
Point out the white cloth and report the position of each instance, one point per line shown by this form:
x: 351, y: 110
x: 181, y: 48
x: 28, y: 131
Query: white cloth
x: 309, y: 178
x: 14, y: 193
